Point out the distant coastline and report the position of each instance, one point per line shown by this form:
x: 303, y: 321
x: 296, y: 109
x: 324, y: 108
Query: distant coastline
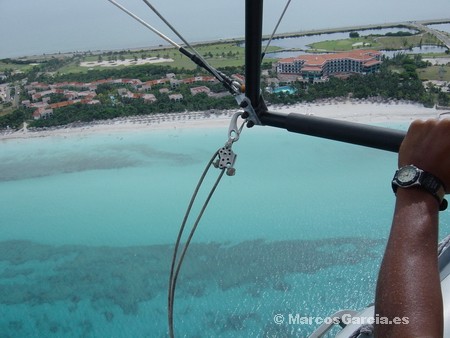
x: 408, y: 24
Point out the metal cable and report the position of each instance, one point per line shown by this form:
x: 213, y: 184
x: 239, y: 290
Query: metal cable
x: 276, y: 27
x: 195, y: 56
x: 211, y: 69
x: 154, y: 30
x: 168, y: 24
x: 175, y: 271
x: 233, y: 135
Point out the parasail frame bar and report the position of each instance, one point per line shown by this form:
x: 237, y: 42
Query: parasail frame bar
x: 349, y: 132
x: 253, y: 47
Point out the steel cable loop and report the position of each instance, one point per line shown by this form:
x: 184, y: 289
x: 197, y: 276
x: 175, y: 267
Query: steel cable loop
x: 175, y: 271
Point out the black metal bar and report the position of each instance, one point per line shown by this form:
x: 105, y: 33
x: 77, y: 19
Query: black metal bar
x: 253, y: 36
x: 349, y: 132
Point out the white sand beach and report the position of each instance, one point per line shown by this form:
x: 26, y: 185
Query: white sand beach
x: 360, y: 111
x: 364, y: 111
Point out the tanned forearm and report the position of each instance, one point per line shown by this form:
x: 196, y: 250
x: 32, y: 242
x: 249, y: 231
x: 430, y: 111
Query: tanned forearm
x: 408, y: 283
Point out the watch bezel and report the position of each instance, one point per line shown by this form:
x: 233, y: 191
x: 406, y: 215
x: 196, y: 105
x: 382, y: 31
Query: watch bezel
x: 413, y: 181
x: 422, y: 179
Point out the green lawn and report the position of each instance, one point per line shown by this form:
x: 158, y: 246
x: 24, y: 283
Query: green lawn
x: 218, y: 55
x: 435, y: 73
x: 73, y: 68
x: 5, y: 66
x: 376, y: 42
x: 5, y: 111
x: 434, y: 55
x: 401, y: 42
x: 345, y: 44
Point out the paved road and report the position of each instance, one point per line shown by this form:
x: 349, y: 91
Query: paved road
x: 16, y: 98
x: 444, y: 38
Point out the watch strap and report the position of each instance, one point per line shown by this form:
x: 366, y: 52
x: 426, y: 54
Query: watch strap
x: 433, y: 185
x: 430, y: 183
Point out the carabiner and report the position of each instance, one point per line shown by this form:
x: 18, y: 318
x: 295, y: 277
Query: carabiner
x: 233, y: 130
x: 226, y: 155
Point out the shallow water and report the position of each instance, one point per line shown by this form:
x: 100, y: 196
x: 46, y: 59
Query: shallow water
x: 303, y: 42
x: 445, y: 27
x: 88, y: 226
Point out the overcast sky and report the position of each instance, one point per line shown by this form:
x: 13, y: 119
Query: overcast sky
x: 28, y: 26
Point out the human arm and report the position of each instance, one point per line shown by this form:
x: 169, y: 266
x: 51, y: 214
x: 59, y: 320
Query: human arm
x: 408, y: 283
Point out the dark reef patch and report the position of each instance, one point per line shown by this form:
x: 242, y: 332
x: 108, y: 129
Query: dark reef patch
x: 99, y: 158
x: 36, y: 274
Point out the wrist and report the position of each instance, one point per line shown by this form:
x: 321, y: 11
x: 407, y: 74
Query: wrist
x: 411, y: 177
x: 416, y: 212
x: 417, y: 196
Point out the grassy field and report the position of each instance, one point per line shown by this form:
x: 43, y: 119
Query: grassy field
x: 5, y: 66
x: 390, y: 42
x: 5, y: 111
x: 434, y: 55
x: 223, y: 54
x: 345, y: 44
x: 441, y: 73
x: 218, y: 55
x: 375, y: 42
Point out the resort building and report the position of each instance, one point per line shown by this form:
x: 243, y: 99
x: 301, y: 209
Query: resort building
x: 176, y: 97
x: 201, y: 89
x: 84, y: 93
x: 42, y: 113
x: 318, y: 67
x: 4, y: 89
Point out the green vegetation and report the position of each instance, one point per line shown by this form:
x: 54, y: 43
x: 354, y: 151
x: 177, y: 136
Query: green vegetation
x: 8, y: 66
x: 441, y: 73
x: 385, y: 84
x: 6, y: 108
x: 122, y: 107
x: 346, y: 44
x: 399, y: 33
x: 15, y: 119
x: 395, y: 42
x: 144, y: 73
x: 403, y: 84
x: 219, y: 55
x: 387, y: 42
x: 400, y: 78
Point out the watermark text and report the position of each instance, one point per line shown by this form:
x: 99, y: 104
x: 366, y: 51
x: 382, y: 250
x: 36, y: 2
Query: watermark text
x: 347, y: 319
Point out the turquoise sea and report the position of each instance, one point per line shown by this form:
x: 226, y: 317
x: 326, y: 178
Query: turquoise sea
x: 88, y: 224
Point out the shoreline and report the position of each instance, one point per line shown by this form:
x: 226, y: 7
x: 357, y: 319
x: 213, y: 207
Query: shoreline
x: 360, y: 111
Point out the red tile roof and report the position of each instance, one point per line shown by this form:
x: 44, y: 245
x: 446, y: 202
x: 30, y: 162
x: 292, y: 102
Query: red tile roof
x: 320, y: 59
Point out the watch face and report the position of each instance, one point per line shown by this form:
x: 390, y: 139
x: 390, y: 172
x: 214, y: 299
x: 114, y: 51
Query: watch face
x: 407, y: 175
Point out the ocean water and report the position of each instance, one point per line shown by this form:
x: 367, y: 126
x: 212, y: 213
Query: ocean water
x: 88, y: 225
x: 115, y: 30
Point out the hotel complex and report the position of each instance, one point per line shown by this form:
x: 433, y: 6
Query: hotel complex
x: 318, y: 67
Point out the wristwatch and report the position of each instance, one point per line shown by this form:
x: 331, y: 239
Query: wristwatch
x: 411, y: 176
